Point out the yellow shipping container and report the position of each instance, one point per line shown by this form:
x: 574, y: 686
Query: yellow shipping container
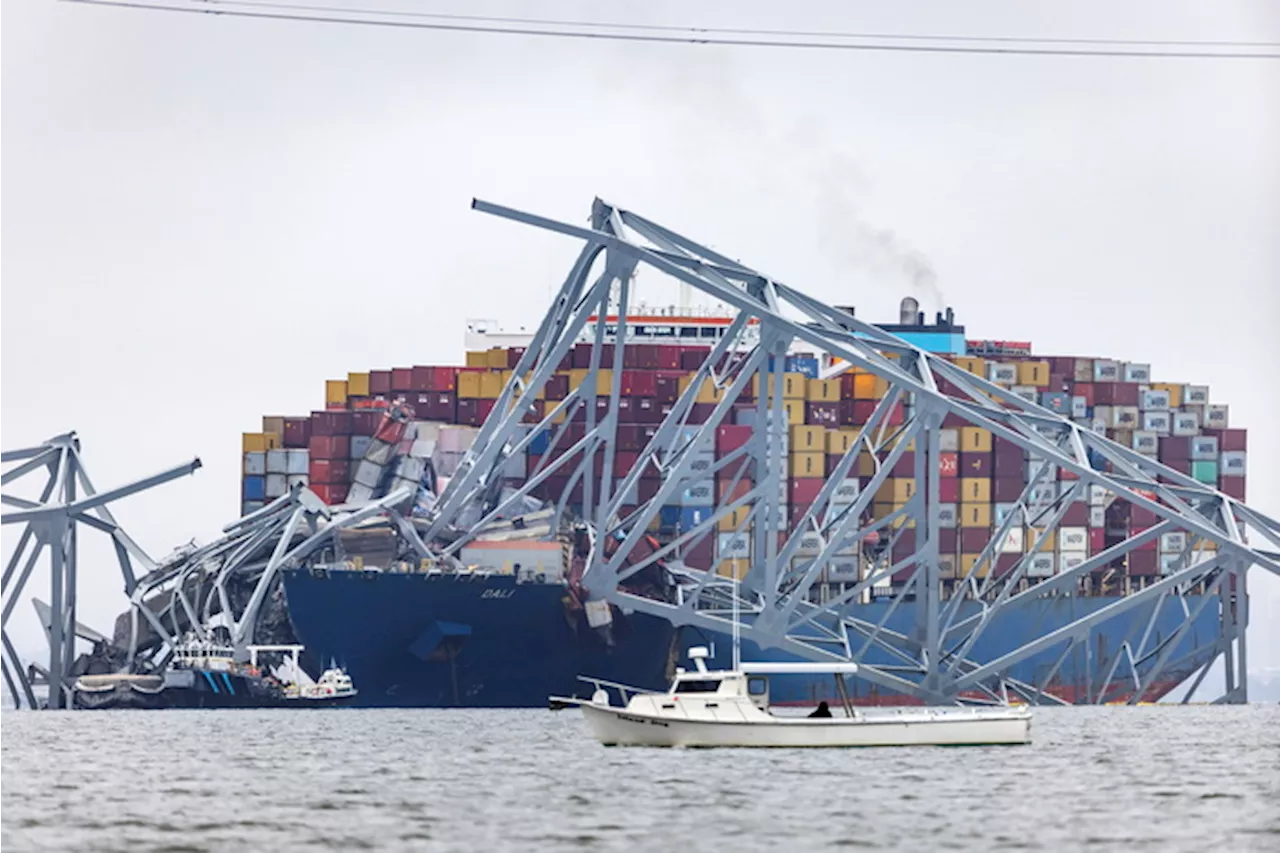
x: 866, y: 465
x: 490, y: 385
x: 795, y: 411
x: 1034, y: 373
x: 967, y: 563
x: 896, y: 490
x: 840, y: 440
x: 975, y: 490
x: 335, y: 392
x: 496, y: 357
x: 1033, y: 533
x: 358, y: 384
x: 1175, y: 392
x: 469, y: 384
x: 730, y: 522
x: 707, y: 393
x: 253, y: 442
x: 868, y: 386
x: 975, y: 515
x: 477, y: 359
x: 808, y: 439
x: 736, y: 569
x: 793, y: 386
x: 822, y: 390
x: 975, y: 440
x: 273, y: 440
x: 974, y: 365
x: 880, y: 509
x: 812, y: 464
x: 273, y: 424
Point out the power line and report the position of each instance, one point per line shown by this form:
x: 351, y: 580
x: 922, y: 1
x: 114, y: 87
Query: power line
x: 690, y: 28
x: 217, y: 9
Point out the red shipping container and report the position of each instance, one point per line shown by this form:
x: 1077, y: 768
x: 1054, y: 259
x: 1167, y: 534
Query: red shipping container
x: 514, y: 354
x: 667, y: 387
x: 1077, y: 515
x: 297, y: 432
x: 906, y: 465
x: 401, y: 379
x: 473, y: 412
x: 630, y: 437
x: 948, y: 541
x: 729, y: 437
x: 379, y: 381
x: 436, y: 406
x: 1232, y: 487
x: 1097, y: 540
x: 1144, y: 563
x: 329, y: 447
x: 700, y: 554
x: 330, y: 494
x: 973, y: 539
x: 949, y: 464
x: 443, y: 379
x: 582, y: 356
x: 1087, y: 390
x: 856, y: 412
x: 639, y: 383
x: 557, y: 387
x: 1116, y: 394
x: 954, y: 421
x: 804, y: 490
x: 699, y: 413
x: 640, y: 356
x: 1010, y: 466
x: 1175, y: 449
x: 945, y: 386
x: 1006, y: 563
x: 647, y: 411
x: 330, y: 471
x: 331, y: 423
x: 691, y: 358
x: 975, y: 465
x: 534, y: 412
x: 1141, y: 518
x: 365, y: 423
x: 1065, y: 475
x: 948, y: 490
x: 822, y: 414
x: 624, y: 461
x: 1229, y: 440
x: 668, y: 357
x: 1006, y: 490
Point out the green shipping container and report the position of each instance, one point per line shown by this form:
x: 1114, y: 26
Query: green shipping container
x: 1205, y: 472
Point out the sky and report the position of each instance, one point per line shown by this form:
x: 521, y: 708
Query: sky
x: 205, y: 217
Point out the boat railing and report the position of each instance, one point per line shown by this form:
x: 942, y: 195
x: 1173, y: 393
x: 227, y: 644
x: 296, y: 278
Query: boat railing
x: 626, y: 690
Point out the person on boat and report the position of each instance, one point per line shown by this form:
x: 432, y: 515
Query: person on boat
x: 821, y: 711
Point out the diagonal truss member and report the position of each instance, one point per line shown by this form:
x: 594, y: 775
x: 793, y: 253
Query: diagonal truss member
x: 772, y: 606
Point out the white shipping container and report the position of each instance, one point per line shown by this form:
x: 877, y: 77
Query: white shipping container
x: 1195, y: 395
x: 1105, y: 370
x: 1012, y: 541
x: 1158, y: 422
x: 842, y: 570
x: 292, y: 480
x: 1171, y: 563
x: 1041, y: 566
x: 1204, y: 448
x: 1097, y: 517
x: 360, y: 445
x: 1185, y: 423
x: 1155, y: 399
x: 1136, y: 372
x: 255, y: 463
x: 1146, y: 443
x: 1033, y: 468
x: 1232, y: 463
x: 424, y: 448
x: 298, y: 461
x: 1124, y: 417
x: 368, y: 474
x: 1003, y: 511
x: 699, y: 493
x: 455, y: 438
x: 947, y: 515
x: 382, y: 452
x: 278, y: 462
x: 1002, y: 374
x: 949, y: 440
x: 1069, y: 561
x: 1098, y: 425
x: 1215, y: 417
x: 251, y: 506
x: 1098, y: 495
x: 276, y: 485
x: 733, y: 546
x: 598, y: 613
x: 1073, y: 539
x: 946, y: 566
x: 1027, y: 392
x: 429, y: 430
x: 358, y: 494
x: 1173, y: 543
x: 701, y: 462
x: 412, y: 468
x: 810, y: 545
x: 1079, y: 407
x: 847, y: 492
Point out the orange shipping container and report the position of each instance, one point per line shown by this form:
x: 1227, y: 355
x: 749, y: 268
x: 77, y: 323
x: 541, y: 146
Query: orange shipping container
x: 868, y: 386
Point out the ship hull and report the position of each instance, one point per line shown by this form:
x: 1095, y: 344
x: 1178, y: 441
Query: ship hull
x: 413, y: 640
x: 410, y: 640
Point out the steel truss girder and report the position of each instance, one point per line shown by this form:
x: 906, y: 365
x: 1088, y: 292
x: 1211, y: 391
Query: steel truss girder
x: 67, y: 501
x: 773, y: 608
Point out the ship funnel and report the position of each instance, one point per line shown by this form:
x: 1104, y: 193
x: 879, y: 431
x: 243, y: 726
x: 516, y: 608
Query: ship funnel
x: 909, y: 311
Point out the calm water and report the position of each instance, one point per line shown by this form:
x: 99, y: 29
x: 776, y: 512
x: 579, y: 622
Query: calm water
x: 1191, y: 779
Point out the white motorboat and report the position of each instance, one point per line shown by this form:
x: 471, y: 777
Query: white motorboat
x: 710, y: 708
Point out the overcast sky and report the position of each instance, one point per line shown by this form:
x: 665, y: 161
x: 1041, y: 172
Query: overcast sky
x: 206, y: 217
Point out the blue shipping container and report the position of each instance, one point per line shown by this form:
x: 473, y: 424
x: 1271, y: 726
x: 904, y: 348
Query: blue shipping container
x: 539, y: 443
x: 806, y: 364
x: 255, y: 488
x: 692, y: 516
x: 669, y: 515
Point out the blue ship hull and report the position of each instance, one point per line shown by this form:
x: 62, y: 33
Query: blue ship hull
x: 408, y: 640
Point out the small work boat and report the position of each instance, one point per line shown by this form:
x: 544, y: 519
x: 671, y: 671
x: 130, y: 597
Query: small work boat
x: 710, y: 708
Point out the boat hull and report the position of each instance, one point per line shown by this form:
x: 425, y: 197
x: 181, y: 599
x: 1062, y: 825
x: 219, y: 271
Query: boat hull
x: 922, y: 727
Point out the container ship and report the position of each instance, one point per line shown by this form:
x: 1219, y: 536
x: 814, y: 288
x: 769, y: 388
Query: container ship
x: 517, y: 629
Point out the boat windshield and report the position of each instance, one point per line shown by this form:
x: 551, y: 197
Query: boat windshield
x: 701, y: 685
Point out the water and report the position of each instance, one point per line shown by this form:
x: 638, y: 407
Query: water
x: 1192, y: 778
